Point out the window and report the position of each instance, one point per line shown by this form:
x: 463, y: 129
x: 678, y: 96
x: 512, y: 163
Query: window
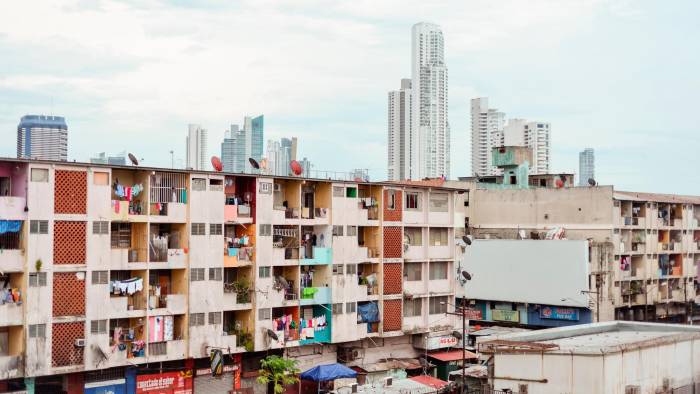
x: 351, y: 192
x: 98, y: 327
x: 121, y: 235
x: 157, y: 348
x: 100, y: 227
x: 100, y: 178
x: 438, y: 270
x: 37, y: 331
x: 413, y: 271
x: 350, y: 307
x: 263, y: 272
x: 338, y: 191
x: 215, y: 229
x: 214, y: 317
x: 199, y: 228
x: 199, y: 184
x: 351, y: 231
x: 100, y: 277
x: 438, y: 202
x: 337, y: 231
x: 216, y: 274
x: 337, y: 269
x: 412, y: 200
x: 196, y: 319
x: 438, y: 237
x: 338, y: 309
x: 264, y: 314
x: 438, y: 305
x: 351, y: 269
x: 39, y: 226
x: 265, y: 230
x: 196, y: 274
x: 413, y: 307
x: 414, y: 235
x: 37, y: 279
x: 40, y: 175
x: 216, y: 185
x: 391, y: 194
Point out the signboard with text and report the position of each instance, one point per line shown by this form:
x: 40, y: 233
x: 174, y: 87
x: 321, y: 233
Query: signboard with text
x: 558, y: 313
x: 179, y: 382
x: 473, y: 314
x: 503, y: 315
x: 434, y: 343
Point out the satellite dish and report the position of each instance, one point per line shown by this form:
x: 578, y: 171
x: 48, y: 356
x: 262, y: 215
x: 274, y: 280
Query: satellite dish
x: 216, y: 163
x: 272, y: 334
x: 592, y: 182
x: 559, y: 183
x: 466, y: 240
x: 466, y: 275
x: 295, y: 167
x: 133, y: 159
x: 457, y: 334
x: 254, y: 163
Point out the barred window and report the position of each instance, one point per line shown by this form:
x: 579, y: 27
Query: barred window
x: 196, y: 274
x: 100, y: 277
x: 337, y: 231
x: 413, y: 307
x: 350, y: 307
x: 199, y: 228
x: 37, y: 279
x: 98, y: 327
x: 338, y: 309
x: 37, y: 331
x: 196, y: 319
x: 157, y: 348
x: 338, y: 191
x: 199, y: 184
x: 265, y: 230
x: 351, y: 269
x: 216, y: 274
x: 264, y: 314
x: 215, y: 229
x: 38, y: 226
x: 101, y: 227
x: 263, y: 272
x: 412, y: 201
x: 121, y: 235
x: 438, y: 305
x: 214, y: 317
x: 351, y: 231
x: 337, y: 269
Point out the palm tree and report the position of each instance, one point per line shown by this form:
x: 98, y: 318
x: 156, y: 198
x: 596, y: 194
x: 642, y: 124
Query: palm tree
x: 278, y: 371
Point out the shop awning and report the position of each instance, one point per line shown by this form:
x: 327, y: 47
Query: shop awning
x: 326, y: 372
x: 452, y: 355
x: 429, y: 381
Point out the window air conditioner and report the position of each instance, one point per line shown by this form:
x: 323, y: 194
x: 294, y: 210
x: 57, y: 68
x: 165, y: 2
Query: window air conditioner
x: 80, y: 342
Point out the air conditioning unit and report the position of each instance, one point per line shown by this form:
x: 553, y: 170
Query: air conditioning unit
x: 80, y: 342
x: 277, y: 187
x: 388, y: 381
x: 353, y: 388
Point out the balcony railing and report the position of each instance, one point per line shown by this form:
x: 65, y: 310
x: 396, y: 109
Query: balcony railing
x: 315, y: 295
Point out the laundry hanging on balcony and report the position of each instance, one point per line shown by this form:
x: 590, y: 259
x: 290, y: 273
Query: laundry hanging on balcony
x: 122, y: 287
x: 127, y: 192
x: 10, y: 226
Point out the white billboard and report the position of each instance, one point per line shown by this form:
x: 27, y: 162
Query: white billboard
x: 528, y: 271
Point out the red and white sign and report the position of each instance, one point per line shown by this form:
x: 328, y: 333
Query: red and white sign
x: 442, y: 342
x: 179, y: 382
x: 473, y: 314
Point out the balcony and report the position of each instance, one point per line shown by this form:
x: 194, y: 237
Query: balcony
x: 12, y: 260
x: 12, y: 208
x: 318, y: 334
x: 127, y: 306
x: 238, y: 257
x: 128, y: 211
x: 168, y: 350
x: 11, y: 366
x: 11, y: 314
x: 318, y: 256
x: 315, y: 295
x: 168, y: 212
x: 238, y: 214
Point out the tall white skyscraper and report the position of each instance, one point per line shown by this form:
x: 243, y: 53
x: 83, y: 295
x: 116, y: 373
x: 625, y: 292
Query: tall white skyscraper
x: 239, y: 145
x: 280, y: 154
x: 586, y: 166
x: 487, y: 132
x: 197, y: 147
x: 430, y: 129
x: 402, y: 160
x: 42, y: 137
x: 536, y: 136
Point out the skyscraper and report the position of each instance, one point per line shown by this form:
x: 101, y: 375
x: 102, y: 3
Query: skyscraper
x: 586, y: 166
x: 228, y: 148
x: 536, y: 136
x: 118, y: 159
x: 487, y: 132
x: 402, y: 157
x: 241, y: 144
x: 197, y: 147
x: 429, y: 104
x: 42, y: 137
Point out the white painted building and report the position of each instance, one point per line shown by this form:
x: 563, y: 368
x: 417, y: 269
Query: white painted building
x: 600, y: 358
x: 486, y: 132
x: 402, y: 142
x: 196, y: 148
x: 43, y: 137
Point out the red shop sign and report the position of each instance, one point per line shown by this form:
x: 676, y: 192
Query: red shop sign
x: 179, y: 382
x: 473, y: 314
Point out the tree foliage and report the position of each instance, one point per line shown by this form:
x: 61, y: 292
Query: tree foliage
x: 280, y: 371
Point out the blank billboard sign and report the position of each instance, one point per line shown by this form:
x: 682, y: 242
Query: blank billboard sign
x: 528, y: 271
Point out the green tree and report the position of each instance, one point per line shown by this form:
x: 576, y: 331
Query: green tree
x: 280, y: 371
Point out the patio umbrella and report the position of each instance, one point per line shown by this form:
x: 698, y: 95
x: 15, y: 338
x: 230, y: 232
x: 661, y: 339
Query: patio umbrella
x: 322, y: 373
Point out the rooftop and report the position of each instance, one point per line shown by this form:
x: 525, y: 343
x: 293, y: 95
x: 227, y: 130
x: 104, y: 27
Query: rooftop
x: 656, y: 197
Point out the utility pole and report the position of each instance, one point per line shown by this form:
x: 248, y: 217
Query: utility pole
x: 463, y: 312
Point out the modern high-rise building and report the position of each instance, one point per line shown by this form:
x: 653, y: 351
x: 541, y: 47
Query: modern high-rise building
x: 291, y: 144
x: 43, y: 137
x: 279, y: 155
x: 536, y: 135
x: 241, y: 144
x: 118, y: 159
x: 429, y: 86
x: 197, y: 148
x: 586, y: 166
x: 402, y: 143
x: 487, y: 131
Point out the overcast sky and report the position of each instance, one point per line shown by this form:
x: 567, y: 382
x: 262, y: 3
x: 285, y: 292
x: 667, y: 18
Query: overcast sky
x: 618, y: 76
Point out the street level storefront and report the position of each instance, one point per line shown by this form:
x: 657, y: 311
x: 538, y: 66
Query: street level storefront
x: 446, y: 362
x: 230, y: 378
x: 529, y: 315
x: 116, y: 386
x: 172, y: 382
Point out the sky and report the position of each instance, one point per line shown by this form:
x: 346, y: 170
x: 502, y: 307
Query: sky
x: 618, y: 76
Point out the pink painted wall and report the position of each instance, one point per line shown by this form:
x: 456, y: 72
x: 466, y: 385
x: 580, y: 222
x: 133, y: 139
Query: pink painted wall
x: 19, y: 177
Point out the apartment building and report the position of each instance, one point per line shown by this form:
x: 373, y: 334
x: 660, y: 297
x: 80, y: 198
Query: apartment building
x: 126, y: 276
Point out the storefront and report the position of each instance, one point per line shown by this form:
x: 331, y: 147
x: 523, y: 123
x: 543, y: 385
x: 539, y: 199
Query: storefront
x: 116, y: 386
x: 175, y: 382
x: 229, y: 380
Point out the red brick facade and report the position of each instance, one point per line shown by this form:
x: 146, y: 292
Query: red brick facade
x: 393, y: 278
x: 68, y: 294
x: 393, y: 215
x: 392, y: 315
x: 69, y: 240
x: 70, y: 192
x: 63, y: 349
x: 393, y: 242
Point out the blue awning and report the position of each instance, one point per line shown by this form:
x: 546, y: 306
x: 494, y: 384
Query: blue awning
x: 321, y: 373
x: 10, y: 226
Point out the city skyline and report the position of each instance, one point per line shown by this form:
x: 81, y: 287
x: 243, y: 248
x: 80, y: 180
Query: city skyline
x: 126, y: 94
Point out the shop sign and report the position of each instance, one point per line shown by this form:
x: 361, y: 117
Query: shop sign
x: 116, y: 386
x: 442, y: 342
x: 179, y: 382
x: 473, y: 314
x: 503, y: 315
x: 207, y: 371
x: 556, y: 313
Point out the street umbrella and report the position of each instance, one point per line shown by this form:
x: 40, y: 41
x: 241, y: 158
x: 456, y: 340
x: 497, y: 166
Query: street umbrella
x: 326, y: 372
